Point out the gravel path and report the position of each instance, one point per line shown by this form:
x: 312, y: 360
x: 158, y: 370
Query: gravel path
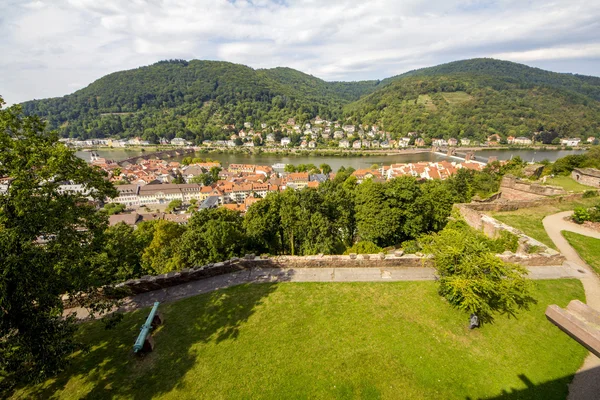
x: 586, y: 384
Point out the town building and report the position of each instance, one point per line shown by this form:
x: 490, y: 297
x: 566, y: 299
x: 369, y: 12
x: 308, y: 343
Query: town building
x: 570, y: 142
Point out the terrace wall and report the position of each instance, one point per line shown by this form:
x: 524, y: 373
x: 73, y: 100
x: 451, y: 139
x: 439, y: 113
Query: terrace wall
x: 509, y: 181
x: 491, y: 227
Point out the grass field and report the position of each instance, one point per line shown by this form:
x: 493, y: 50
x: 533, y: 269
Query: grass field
x: 587, y: 247
x: 426, y: 101
x: 568, y: 183
x: 394, y: 340
x: 454, y: 98
x: 529, y: 220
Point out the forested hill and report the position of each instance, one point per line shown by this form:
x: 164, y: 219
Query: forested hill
x: 195, y: 99
x: 587, y: 85
x: 464, y: 104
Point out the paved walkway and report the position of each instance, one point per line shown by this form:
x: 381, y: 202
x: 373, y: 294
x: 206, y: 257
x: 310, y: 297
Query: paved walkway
x: 261, y: 275
x: 585, y: 385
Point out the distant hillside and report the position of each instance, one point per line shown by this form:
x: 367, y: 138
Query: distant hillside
x: 195, y: 99
x: 586, y: 85
x: 475, y: 105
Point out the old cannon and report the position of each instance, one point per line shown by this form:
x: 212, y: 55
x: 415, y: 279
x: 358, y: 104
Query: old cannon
x: 144, y: 342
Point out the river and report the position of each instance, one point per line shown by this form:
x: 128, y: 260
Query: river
x: 336, y: 162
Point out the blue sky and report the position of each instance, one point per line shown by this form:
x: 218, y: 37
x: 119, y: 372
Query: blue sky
x: 54, y: 47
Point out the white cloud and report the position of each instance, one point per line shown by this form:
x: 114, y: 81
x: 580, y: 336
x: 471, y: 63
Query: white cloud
x: 553, y: 53
x: 49, y: 45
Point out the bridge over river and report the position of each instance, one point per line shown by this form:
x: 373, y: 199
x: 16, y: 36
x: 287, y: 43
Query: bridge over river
x: 161, y: 155
x: 466, y: 155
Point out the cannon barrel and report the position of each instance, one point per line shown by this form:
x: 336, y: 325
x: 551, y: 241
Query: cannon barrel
x: 145, y: 329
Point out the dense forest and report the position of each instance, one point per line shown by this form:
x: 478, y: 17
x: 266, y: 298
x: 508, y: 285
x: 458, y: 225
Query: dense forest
x: 195, y: 99
x: 475, y: 106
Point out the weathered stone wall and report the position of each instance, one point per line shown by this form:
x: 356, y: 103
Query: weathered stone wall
x: 509, y: 181
x: 518, y: 204
x: 491, y: 227
x: 150, y: 283
x: 585, y: 179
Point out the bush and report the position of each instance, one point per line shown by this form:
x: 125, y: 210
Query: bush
x: 473, y: 279
x: 506, y: 241
x: 590, y: 193
x: 363, y: 247
x: 534, y: 249
x: 411, y: 246
x: 580, y: 215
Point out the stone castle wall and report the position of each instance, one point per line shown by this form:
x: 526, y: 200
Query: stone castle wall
x: 509, y: 181
x: 155, y: 282
x: 491, y: 227
x: 518, y: 204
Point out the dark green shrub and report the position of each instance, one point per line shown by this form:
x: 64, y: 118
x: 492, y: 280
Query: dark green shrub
x: 590, y: 193
x: 580, y: 215
x: 411, y: 246
x: 506, y: 241
x: 363, y: 247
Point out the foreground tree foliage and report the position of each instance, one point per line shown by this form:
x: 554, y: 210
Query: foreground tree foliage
x: 327, y: 220
x: 49, y: 242
x: 472, y: 277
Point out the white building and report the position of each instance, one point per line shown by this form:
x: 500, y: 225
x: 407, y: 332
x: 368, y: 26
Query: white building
x: 344, y: 144
x: 522, y: 141
x: 570, y: 142
x: 178, y: 142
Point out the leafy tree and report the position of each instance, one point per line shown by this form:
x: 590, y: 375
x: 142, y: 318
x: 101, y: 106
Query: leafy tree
x: 289, y: 168
x: 472, y: 278
x: 178, y: 178
x: 325, y: 168
x: 214, y: 173
x: 263, y: 225
x: 120, y: 258
x: 377, y: 220
x: 161, y: 254
x: 47, y: 242
x: 203, y: 179
x: 113, y: 208
x: 212, y: 235
x: 173, y: 205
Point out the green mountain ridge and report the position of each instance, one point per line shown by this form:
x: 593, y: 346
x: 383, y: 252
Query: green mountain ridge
x: 194, y: 99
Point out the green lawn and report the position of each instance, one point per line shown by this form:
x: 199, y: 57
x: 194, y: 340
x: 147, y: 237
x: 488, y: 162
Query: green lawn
x: 568, y: 183
x: 395, y: 340
x: 587, y: 247
x: 456, y: 97
x: 426, y: 101
x: 529, y: 220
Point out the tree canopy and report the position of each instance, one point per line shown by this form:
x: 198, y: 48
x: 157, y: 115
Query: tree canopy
x: 49, y: 244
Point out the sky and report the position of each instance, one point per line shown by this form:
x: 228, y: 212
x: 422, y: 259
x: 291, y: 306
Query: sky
x: 51, y: 48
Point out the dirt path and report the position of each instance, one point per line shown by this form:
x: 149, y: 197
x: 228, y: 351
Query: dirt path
x: 584, y: 386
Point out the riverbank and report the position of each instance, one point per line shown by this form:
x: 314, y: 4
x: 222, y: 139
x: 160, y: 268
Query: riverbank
x: 335, y: 158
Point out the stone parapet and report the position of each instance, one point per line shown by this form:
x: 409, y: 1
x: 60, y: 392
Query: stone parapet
x: 491, y: 227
